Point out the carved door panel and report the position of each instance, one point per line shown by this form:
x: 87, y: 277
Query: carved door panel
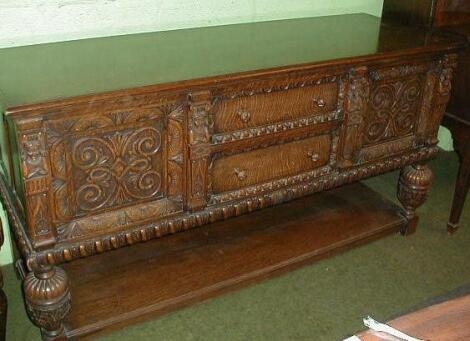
x: 104, y: 171
x: 391, y: 110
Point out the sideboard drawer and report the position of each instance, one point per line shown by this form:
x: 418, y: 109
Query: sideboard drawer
x: 271, y: 106
x: 265, y: 164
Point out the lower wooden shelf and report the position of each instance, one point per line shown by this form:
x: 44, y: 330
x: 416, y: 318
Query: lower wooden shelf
x: 132, y: 284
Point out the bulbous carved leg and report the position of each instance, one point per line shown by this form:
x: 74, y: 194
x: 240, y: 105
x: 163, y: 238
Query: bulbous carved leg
x: 413, y: 187
x: 48, y: 300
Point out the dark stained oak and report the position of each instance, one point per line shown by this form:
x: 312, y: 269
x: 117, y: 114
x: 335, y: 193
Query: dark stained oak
x: 175, y: 271
x: 125, y: 140
x: 449, y: 16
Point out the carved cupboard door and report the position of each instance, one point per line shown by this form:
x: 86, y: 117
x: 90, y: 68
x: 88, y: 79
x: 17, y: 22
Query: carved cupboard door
x: 393, y: 109
x: 104, y: 170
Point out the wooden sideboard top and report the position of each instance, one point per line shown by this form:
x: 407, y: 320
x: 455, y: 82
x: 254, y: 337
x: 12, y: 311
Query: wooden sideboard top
x: 47, y: 72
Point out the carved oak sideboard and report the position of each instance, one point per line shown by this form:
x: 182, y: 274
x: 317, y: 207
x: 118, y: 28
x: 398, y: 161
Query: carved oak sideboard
x: 239, y: 118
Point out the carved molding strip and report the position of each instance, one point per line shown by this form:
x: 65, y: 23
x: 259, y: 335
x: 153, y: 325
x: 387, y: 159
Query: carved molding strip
x: 257, y: 87
x: 186, y: 221
x: 115, y: 220
x: 386, y: 149
x: 276, y: 127
x: 269, y: 186
x: 399, y: 71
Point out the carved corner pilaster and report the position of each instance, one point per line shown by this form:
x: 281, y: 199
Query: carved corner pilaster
x: 200, y: 130
x: 36, y: 174
x: 48, y: 300
x: 443, y: 74
x: 354, y: 116
x: 413, y: 188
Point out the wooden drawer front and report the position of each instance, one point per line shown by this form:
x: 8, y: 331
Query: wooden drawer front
x: 257, y: 166
x: 265, y: 108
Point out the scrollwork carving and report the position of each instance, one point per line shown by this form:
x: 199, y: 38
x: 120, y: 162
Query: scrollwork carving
x: 115, y: 159
x: 393, y: 109
x: 117, y: 168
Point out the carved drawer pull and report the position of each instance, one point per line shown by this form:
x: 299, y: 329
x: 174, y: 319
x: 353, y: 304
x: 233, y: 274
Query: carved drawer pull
x: 245, y: 116
x: 319, y: 102
x: 314, y: 156
x: 241, y: 174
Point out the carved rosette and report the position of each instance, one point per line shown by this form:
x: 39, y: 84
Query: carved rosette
x: 48, y: 300
x: 413, y: 187
x: 200, y: 126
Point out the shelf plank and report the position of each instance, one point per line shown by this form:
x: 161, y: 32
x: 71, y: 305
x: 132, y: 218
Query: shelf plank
x: 132, y: 284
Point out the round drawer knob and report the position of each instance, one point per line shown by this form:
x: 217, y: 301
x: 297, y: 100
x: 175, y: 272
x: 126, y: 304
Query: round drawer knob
x: 319, y: 102
x: 241, y: 174
x: 314, y: 156
x: 245, y: 116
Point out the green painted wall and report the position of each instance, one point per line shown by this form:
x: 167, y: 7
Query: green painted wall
x: 26, y: 22
x: 19, y: 29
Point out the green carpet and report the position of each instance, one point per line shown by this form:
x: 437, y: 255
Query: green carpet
x: 326, y: 300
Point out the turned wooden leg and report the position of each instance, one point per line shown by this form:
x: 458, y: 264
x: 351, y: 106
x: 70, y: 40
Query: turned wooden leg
x: 48, y: 302
x: 461, y: 189
x: 413, y: 187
